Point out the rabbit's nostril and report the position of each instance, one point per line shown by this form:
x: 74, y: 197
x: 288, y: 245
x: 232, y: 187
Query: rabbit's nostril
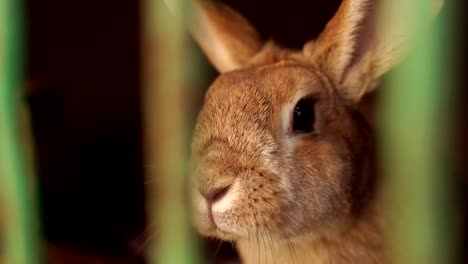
x: 216, y: 194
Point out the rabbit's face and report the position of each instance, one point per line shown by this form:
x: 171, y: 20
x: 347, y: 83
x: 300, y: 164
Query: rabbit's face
x: 279, y: 149
x: 274, y: 153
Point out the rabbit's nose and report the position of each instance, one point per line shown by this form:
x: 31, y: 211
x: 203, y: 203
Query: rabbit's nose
x: 215, y: 194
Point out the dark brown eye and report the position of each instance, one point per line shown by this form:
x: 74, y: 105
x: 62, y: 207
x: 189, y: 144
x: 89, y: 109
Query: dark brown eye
x: 304, y: 116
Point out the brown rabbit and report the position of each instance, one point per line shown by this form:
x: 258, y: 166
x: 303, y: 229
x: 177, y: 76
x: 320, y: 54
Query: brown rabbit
x: 282, y: 157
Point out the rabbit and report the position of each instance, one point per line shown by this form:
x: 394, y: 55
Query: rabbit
x: 283, y: 160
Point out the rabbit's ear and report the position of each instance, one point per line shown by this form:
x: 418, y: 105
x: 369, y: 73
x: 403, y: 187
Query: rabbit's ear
x: 358, y: 45
x: 227, y: 38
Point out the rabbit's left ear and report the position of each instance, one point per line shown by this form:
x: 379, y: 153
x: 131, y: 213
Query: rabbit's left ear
x: 226, y: 37
x: 356, y: 47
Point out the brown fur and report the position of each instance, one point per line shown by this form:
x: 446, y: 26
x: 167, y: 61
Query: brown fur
x: 290, y: 198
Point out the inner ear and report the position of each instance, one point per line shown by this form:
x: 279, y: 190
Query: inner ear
x: 355, y: 49
x: 345, y: 44
x: 228, y: 39
x: 341, y: 41
x: 364, y: 38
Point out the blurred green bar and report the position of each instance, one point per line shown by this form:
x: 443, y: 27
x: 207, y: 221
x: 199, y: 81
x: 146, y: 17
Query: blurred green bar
x: 167, y: 60
x: 21, y: 245
x: 415, y: 111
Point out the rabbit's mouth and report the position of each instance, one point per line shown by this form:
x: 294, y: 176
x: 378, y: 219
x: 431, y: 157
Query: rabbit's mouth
x: 243, y: 212
x: 212, y: 218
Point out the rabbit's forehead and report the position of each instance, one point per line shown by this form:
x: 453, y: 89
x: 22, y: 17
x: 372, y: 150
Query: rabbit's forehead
x: 278, y: 83
x: 259, y: 95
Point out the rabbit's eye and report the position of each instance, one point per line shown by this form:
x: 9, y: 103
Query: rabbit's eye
x: 304, y: 116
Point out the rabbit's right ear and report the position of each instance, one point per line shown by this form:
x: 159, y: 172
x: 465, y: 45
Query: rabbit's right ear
x: 356, y: 48
x: 227, y: 38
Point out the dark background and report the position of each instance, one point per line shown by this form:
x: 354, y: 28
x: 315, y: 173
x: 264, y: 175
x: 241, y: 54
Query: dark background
x: 83, y: 89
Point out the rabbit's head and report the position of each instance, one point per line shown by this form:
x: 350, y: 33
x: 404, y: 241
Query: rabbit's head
x: 279, y: 146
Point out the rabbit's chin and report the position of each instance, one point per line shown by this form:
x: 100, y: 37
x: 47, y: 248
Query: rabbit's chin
x: 209, y: 228
x: 254, y: 235
x: 219, y: 234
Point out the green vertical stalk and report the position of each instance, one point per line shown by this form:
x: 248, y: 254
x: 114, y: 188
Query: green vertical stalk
x: 17, y: 204
x: 415, y: 111
x: 167, y: 59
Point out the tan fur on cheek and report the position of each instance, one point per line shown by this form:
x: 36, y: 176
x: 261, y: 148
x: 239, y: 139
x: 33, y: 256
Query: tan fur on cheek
x: 317, y: 192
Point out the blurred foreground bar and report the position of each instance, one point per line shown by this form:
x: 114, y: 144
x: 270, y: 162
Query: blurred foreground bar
x: 19, y: 227
x: 166, y: 59
x: 415, y: 112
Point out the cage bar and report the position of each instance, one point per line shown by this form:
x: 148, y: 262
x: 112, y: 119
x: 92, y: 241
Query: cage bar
x: 20, y: 230
x: 167, y: 59
x: 415, y: 108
